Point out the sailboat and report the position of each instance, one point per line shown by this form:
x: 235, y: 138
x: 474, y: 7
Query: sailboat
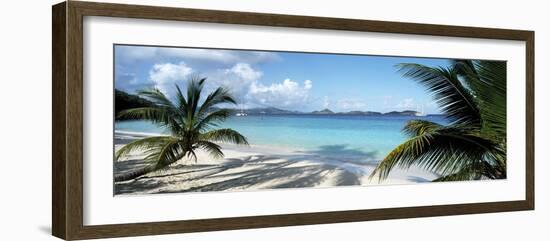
x: 241, y: 113
x: 421, y: 112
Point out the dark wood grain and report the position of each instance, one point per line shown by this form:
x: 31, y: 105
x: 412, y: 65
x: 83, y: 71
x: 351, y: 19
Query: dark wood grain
x: 67, y: 137
x: 279, y: 20
x: 74, y: 120
x: 59, y: 193
x: 138, y: 229
x: 530, y: 120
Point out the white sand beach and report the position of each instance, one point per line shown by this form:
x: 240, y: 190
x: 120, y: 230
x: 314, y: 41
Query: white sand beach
x: 257, y: 167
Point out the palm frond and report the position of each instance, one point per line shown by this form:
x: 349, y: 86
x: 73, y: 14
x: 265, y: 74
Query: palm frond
x: 157, y: 97
x: 419, y: 127
x: 487, y: 80
x: 213, y: 149
x: 455, y: 101
x: 472, y: 94
x: 443, y: 150
x: 159, y: 115
x: 170, y: 153
x: 191, y: 154
x: 225, y: 136
x: 147, y: 144
x: 472, y: 171
x: 194, y: 91
x: 218, y: 96
x: 491, y: 92
x: 213, y: 119
x: 182, y: 102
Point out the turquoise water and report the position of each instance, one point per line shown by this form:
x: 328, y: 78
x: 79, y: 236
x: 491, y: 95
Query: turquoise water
x: 372, y: 137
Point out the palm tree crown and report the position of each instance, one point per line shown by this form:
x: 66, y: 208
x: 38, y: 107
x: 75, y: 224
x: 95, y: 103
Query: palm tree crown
x: 192, y: 126
x: 472, y: 95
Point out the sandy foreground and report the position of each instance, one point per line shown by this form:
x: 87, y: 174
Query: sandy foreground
x: 258, y: 167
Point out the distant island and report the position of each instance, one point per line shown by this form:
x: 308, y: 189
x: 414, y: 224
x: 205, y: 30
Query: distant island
x: 125, y: 100
x: 277, y: 111
x: 323, y: 112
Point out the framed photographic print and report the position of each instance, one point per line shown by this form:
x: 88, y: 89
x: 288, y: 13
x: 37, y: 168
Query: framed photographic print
x: 171, y: 120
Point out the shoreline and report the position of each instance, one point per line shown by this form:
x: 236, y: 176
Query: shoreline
x: 257, y: 167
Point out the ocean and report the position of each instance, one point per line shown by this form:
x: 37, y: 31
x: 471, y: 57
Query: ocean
x: 371, y: 137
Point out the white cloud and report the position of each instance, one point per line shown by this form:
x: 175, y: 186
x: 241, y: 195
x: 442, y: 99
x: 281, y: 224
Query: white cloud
x: 245, y: 83
x: 244, y: 71
x: 352, y: 104
x: 406, y: 103
x: 308, y: 84
x: 237, y: 78
x: 165, y: 76
x: 287, y: 94
x: 242, y: 79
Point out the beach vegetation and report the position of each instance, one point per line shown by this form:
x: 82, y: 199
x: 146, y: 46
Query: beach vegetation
x: 124, y: 101
x: 192, y: 120
x: 472, y: 146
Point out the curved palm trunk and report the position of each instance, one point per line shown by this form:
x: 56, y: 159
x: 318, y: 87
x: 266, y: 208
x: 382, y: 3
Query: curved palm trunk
x: 135, y: 173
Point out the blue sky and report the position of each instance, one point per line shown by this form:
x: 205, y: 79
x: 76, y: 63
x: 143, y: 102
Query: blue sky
x: 287, y: 80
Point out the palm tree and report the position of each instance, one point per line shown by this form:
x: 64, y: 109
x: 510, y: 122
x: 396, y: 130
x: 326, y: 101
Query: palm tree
x: 191, y: 125
x: 472, y: 95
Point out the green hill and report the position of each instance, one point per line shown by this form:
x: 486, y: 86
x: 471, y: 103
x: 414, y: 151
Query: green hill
x: 125, y: 101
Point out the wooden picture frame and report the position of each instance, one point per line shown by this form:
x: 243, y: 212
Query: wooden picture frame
x: 67, y: 139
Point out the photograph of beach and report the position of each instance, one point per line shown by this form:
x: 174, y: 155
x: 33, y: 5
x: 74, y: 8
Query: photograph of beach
x: 211, y: 120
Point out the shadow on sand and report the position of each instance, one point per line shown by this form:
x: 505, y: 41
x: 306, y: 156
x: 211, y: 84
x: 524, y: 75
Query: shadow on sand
x: 300, y: 169
x: 342, y: 153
